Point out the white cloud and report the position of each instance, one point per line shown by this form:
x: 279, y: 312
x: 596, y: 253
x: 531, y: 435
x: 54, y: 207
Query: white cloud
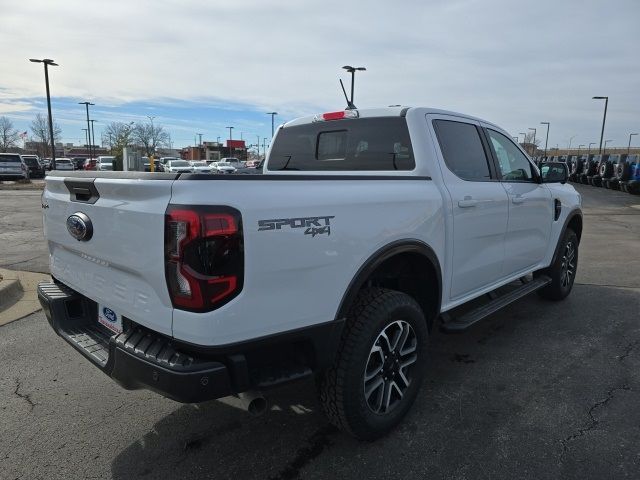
x: 514, y: 63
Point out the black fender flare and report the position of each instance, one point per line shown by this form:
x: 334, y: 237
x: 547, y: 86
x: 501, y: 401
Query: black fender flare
x: 577, y: 212
x: 376, y: 259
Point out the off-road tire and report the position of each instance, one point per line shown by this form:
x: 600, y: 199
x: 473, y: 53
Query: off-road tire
x: 341, y: 386
x: 558, y: 289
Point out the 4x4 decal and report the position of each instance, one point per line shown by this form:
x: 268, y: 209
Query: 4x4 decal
x: 313, y: 225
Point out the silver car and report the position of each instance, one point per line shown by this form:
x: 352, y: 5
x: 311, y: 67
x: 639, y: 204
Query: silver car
x: 12, y: 167
x: 64, y: 164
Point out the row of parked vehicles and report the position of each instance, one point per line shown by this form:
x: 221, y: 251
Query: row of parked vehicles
x: 14, y: 166
x: 223, y: 166
x: 613, y: 171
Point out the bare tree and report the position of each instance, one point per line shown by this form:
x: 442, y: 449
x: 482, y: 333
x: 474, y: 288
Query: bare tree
x: 8, y: 135
x: 150, y: 136
x: 529, y: 145
x: 40, y: 131
x: 118, y: 135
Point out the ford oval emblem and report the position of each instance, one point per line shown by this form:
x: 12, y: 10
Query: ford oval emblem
x: 79, y: 226
x: 109, y: 314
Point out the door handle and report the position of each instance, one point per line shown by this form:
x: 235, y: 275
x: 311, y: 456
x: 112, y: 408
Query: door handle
x: 517, y: 199
x: 467, y: 202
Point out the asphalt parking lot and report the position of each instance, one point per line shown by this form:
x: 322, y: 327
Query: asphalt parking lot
x: 541, y: 390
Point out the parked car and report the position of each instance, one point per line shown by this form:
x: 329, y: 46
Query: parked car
x: 233, y: 161
x: 205, y: 286
x: 630, y: 182
x: 255, y: 170
x: 104, y: 163
x: 13, y: 167
x: 610, y: 179
x: 89, y: 164
x: 603, y: 167
x: 590, y: 169
x: 164, y: 160
x: 178, y: 166
x: 157, y: 165
x: 64, y: 164
x: 78, y: 162
x: 36, y: 168
x: 200, y: 167
x: 224, y: 167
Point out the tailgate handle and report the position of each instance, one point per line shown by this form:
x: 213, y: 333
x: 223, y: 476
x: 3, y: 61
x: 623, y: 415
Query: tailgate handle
x: 82, y: 194
x: 82, y: 190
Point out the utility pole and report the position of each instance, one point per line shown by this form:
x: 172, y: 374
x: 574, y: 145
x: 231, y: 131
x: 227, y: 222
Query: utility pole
x: 93, y: 134
x: 47, y: 62
x: 533, y: 142
x: 629, y: 146
x: 230, y: 138
x: 604, y: 119
x: 86, y: 104
x: 273, y: 114
x: 546, y: 142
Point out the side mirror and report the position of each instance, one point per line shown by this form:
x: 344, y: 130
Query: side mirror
x: 554, y: 172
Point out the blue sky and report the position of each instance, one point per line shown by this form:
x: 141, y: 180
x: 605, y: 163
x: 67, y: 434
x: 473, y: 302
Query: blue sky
x: 201, y: 66
x: 183, y: 119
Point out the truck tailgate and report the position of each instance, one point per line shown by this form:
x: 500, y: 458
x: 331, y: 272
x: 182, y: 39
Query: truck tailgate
x: 121, y: 266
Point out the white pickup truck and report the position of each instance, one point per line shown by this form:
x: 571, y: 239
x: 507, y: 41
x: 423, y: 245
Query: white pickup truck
x: 367, y: 229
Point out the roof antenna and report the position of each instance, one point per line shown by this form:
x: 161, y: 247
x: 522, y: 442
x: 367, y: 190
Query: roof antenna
x: 352, y: 71
x: 350, y: 106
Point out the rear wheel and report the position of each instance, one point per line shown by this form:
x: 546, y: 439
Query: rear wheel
x: 564, y: 269
x: 379, y: 365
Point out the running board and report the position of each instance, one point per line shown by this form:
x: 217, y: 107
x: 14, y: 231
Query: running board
x: 460, y: 324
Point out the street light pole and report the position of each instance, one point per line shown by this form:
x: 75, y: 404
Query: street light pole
x: 547, y: 139
x: 605, y: 146
x: 579, y: 147
x: 93, y: 134
x: 569, y: 147
x: 86, y: 136
x: 230, y: 138
x: 533, y: 142
x: 47, y: 62
x: 629, y: 146
x: 604, y: 119
x: 524, y: 138
x: 589, y: 151
x: 86, y: 104
x: 273, y: 114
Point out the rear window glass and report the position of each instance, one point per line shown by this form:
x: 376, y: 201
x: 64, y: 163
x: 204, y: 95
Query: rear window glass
x: 32, y: 162
x: 10, y: 158
x: 367, y: 144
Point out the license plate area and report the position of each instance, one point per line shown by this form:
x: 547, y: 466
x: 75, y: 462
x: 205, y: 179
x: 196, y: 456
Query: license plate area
x: 110, y: 319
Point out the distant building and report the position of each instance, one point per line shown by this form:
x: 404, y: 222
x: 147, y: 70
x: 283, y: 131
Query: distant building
x: 213, y: 151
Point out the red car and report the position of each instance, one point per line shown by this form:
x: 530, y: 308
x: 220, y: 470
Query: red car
x: 89, y: 164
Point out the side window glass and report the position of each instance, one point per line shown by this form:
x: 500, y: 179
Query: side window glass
x: 462, y: 150
x: 513, y: 164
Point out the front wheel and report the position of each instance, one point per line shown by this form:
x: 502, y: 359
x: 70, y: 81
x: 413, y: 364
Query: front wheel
x: 379, y: 366
x: 564, y: 269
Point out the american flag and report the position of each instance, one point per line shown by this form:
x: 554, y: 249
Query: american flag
x: 23, y: 135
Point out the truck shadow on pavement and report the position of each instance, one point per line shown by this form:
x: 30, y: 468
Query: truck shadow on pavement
x: 511, y: 398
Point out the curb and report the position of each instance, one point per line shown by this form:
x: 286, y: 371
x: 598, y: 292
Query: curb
x: 18, y: 296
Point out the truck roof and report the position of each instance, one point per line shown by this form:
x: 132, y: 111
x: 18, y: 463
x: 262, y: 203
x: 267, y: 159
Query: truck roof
x: 390, y: 111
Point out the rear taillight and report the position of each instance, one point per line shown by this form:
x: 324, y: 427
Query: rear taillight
x: 204, y: 256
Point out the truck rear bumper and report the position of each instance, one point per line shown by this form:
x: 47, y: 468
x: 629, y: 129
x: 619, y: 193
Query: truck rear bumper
x: 141, y: 358
x: 137, y: 358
